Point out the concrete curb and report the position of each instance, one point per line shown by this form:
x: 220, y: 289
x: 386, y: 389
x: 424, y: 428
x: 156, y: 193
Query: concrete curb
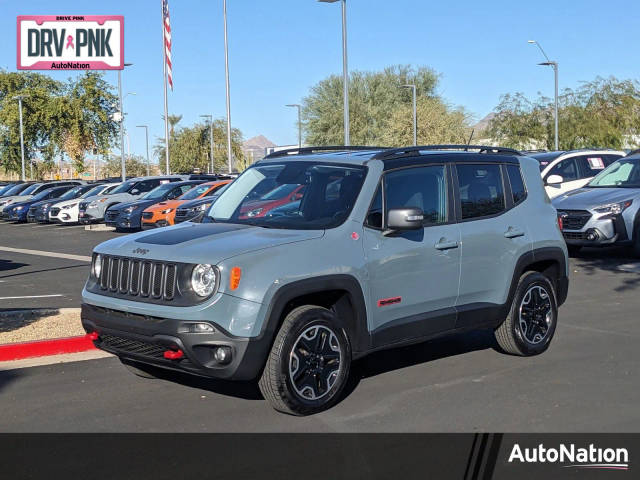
x: 99, y: 227
x: 41, y: 348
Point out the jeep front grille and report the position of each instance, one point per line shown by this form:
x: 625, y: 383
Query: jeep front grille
x: 138, y: 278
x: 574, y: 219
x: 147, y: 215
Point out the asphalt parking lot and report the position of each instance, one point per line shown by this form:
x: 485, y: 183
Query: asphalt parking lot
x: 588, y: 381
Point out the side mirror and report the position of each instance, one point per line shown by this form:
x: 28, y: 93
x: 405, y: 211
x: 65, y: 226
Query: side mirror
x: 405, y: 219
x: 135, y: 191
x: 554, y: 180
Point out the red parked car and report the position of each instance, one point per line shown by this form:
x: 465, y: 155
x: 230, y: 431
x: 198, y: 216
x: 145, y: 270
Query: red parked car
x: 277, y: 197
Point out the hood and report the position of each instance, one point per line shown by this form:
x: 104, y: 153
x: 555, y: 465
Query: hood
x: 140, y: 203
x: 202, y: 243
x: 42, y: 202
x: 15, y: 198
x: 118, y: 197
x: 588, y: 198
x: 199, y: 201
x: 68, y: 202
x: 166, y: 204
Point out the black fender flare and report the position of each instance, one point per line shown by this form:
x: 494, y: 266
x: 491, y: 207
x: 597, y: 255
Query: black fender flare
x: 357, y: 330
x: 561, y: 282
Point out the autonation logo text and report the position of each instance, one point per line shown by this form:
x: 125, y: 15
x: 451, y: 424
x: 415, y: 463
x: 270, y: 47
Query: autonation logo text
x: 590, y: 457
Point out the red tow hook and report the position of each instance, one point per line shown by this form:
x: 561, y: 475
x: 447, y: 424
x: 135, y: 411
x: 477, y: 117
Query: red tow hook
x: 93, y: 336
x: 173, y: 354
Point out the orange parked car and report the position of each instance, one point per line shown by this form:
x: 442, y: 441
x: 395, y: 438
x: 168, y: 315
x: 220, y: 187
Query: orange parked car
x: 163, y: 213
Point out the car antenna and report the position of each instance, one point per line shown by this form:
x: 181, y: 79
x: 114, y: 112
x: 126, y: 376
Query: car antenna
x: 470, y: 138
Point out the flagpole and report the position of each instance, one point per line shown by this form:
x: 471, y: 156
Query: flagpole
x: 166, y: 105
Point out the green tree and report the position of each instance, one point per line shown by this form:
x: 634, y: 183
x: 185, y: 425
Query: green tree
x: 73, y: 117
x: 601, y: 113
x: 374, y: 98
x: 189, y: 148
x: 135, y: 165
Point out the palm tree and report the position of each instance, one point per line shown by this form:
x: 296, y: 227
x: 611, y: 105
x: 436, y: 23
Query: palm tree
x: 173, y: 121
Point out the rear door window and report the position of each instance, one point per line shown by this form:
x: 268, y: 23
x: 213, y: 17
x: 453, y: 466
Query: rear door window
x: 567, y: 169
x: 481, y: 192
x: 518, y: 190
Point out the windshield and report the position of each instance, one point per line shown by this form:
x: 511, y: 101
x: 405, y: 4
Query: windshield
x: 14, y: 190
x: 71, y: 194
x: 279, y: 192
x: 94, y: 191
x: 43, y: 194
x: 195, y: 192
x: 326, y: 196
x: 5, y: 188
x: 28, y: 190
x: 124, y: 187
x: 622, y: 173
x: 159, y: 191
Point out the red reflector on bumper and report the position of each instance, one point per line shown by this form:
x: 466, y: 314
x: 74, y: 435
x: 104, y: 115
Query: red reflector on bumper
x: 173, y: 354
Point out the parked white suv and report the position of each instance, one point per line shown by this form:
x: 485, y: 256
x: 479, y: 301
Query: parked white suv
x: 565, y: 171
x: 67, y: 211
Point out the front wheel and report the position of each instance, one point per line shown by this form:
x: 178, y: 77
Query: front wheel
x: 574, y: 250
x: 308, y: 365
x: 532, y: 319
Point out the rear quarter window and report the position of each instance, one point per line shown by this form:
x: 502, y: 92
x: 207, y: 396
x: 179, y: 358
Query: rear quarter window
x: 518, y: 189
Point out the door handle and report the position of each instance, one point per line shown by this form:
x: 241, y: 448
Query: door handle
x: 513, y: 233
x: 445, y: 244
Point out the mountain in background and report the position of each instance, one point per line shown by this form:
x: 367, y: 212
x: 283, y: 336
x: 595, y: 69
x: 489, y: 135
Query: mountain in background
x: 255, y: 148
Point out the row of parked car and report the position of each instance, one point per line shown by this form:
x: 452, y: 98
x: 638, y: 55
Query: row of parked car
x: 141, y: 202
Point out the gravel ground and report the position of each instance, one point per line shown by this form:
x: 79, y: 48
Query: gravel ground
x: 30, y: 326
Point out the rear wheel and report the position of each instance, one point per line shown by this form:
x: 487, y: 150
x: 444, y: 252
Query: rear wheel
x: 636, y: 242
x: 309, y: 362
x: 532, y: 319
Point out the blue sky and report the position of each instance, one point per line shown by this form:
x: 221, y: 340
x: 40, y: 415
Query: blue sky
x: 279, y: 49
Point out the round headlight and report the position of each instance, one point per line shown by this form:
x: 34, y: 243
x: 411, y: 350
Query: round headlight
x: 97, y: 266
x: 203, y: 280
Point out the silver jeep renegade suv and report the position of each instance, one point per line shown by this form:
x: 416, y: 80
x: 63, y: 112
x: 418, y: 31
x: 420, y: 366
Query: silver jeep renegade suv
x: 316, y: 257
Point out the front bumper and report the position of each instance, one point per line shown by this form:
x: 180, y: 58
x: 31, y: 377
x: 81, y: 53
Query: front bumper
x: 157, y: 224
x: 599, y: 231
x: 86, y: 218
x: 144, y: 339
x: 123, y: 221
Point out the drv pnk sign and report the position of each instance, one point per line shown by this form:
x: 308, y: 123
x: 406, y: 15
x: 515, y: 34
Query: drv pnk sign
x: 81, y: 42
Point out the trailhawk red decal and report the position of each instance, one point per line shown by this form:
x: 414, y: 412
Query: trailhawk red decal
x: 389, y: 301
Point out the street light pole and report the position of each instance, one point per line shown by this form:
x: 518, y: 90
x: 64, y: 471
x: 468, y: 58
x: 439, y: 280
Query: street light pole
x: 415, y: 113
x: 146, y: 134
x: 210, y: 117
x: 554, y: 65
x: 226, y: 70
x: 345, y: 68
x: 122, y: 160
x: 299, y: 123
x: 19, y: 98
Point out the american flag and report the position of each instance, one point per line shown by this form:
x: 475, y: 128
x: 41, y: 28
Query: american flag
x: 167, y: 40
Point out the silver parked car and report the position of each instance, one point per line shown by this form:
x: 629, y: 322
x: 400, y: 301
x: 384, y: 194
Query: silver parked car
x: 384, y: 247
x: 606, y: 211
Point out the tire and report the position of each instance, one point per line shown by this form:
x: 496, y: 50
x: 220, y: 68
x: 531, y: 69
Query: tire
x: 636, y: 242
x: 139, y: 369
x: 574, y: 250
x: 304, y: 324
x: 518, y: 337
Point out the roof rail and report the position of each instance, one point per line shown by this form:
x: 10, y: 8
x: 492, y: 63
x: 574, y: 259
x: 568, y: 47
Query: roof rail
x: 331, y: 148
x: 406, y: 151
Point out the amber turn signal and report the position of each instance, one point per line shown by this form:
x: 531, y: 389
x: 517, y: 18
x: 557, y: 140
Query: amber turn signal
x: 234, y: 280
